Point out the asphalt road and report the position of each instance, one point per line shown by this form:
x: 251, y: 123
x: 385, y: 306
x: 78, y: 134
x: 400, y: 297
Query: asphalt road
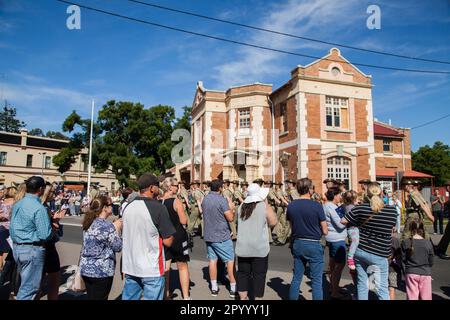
x: 280, y: 258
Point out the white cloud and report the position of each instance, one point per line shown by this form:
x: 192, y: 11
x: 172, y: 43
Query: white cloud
x: 302, y: 18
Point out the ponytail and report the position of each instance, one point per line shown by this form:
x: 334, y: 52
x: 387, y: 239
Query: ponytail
x: 415, y: 228
x: 374, y: 194
x: 95, y: 208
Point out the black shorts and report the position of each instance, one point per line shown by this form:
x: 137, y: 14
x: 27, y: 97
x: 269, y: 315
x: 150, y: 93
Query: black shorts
x: 179, y: 251
x: 51, y: 263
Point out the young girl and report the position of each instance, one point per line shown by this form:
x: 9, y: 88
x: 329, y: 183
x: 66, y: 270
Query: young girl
x: 350, y: 200
x: 418, y: 260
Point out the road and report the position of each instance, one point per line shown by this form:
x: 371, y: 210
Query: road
x: 280, y: 258
x: 278, y: 278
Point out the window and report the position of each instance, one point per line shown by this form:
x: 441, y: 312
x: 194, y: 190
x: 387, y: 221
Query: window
x: 339, y: 168
x: 284, y: 124
x: 387, y: 145
x: 336, y: 112
x: 335, y: 71
x: 244, y: 118
x: 48, y: 162
x: 29, y: 160
x: 3, y: 158
x: 113, y: 186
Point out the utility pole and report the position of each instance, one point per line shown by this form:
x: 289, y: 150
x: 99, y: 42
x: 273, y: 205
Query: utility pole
x: 90, y: 148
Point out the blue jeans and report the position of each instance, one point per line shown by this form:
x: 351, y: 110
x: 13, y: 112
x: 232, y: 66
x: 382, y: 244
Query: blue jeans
x: 30, y: 263
x: 371, y: 267
x: 153, y: 288
x: 305, y: 252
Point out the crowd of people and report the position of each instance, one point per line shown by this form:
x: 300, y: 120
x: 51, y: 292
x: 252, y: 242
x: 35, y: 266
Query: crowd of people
x: 156, y: 223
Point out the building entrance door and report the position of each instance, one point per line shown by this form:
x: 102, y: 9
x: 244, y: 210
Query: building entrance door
x: 242, y: 172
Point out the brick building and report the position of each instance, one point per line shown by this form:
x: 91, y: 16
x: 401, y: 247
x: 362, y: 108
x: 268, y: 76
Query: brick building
x: 323, y: 127
x: 22, y: 156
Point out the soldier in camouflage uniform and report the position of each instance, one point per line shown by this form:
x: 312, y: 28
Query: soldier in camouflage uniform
x: 244, y: 186
x: 416, y: 208
x: 273, y: 202
x: 364, y: 183
x: 228, y: 193
x: 329, y: 183
x: 183, y: 196
x: 196, y: 199
x: 283, y: 228
x: 292, y: 190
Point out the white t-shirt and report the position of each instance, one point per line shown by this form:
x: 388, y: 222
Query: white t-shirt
x: 146, y: 223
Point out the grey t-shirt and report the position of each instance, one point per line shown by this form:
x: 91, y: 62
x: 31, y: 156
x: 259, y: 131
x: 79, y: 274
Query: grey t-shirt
x: 217, y: 229
x: 437, y: 206
x: 253, y: 236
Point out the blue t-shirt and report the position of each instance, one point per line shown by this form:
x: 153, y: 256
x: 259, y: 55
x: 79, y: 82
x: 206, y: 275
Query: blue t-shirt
x: 217, y: 229
x: 305, y: 216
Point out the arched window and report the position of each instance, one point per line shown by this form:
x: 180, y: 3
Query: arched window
x: 339, y: 168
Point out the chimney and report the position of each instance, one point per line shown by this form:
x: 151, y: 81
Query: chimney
x: 390, y: 122
x: 24, y: 135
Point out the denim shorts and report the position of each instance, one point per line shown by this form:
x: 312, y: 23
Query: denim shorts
x: 223, y: 250
x: 338, y: 251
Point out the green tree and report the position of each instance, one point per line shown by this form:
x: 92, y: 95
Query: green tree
x: 56, y: 135
x: 8, y: 121
x: 185, y: 121
x: 36, y: 132
x: 133, y: 140
x: 433, y: 160
x: 80, y: 129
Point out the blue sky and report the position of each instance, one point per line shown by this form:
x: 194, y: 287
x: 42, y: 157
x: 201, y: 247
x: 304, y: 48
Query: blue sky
x: 47, y: 70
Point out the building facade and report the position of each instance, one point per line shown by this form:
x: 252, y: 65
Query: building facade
x: 320, y: 123
x: 23, y: 156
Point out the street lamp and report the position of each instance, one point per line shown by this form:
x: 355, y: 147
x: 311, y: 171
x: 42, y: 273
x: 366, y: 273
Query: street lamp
x: 43, y: 163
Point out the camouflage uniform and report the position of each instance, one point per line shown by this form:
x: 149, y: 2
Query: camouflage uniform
x: 195, y: 217
x: 283, y: 228
x: 414, y: 212
x: 182, y: 195
x: 227, y: 193
x: 271, y: 199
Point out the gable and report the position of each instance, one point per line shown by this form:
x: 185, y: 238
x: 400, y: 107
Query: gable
x: 335, y: 67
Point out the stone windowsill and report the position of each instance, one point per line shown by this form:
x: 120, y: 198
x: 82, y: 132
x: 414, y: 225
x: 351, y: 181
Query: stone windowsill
x: 331, y: 129
x: 388, y: 154
x: 282, y: 134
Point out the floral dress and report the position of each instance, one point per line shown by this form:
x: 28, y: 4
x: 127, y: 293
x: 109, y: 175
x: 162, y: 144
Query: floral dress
x: 100, y: 244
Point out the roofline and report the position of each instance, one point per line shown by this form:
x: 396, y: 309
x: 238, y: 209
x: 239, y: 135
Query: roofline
x: 37, y: 137
x: 339, y: 53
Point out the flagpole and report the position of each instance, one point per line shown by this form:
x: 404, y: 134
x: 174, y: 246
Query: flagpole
x: 90, y: 149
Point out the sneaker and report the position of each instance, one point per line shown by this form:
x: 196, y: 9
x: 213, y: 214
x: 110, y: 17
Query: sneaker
x: 215, y: 293
x: 233, y: 294
x: 351, y: 264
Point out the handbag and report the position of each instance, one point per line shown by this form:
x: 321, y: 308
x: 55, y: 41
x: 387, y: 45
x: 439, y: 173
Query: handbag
x: 76, y: 283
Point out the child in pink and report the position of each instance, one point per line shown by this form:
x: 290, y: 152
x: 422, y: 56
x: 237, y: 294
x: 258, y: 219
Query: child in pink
x: 418, y: 260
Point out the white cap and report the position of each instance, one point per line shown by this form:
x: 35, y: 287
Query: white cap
x: 256, y: 193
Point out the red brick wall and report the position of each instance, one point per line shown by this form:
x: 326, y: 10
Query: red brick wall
x: 314, y: 165
x: 363, y: 163
x: 313, y: 115
x: 338, y: 135
x: 362, y: 133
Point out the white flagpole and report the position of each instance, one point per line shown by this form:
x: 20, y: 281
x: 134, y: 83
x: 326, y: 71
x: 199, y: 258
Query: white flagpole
x: 90, y: 149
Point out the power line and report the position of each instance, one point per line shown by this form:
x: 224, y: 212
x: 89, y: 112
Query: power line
x: 248, y: 44
x: 286, y: 34
x: 430, y: 122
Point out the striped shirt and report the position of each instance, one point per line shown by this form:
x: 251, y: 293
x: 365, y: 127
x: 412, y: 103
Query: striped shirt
x: 375, y: 234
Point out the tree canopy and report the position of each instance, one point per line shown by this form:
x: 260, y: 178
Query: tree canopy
x: 8, y: 120
x: 433, y: 160
x: 128, y: 139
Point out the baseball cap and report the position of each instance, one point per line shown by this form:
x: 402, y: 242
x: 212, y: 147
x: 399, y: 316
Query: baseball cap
x: 146, y: 180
